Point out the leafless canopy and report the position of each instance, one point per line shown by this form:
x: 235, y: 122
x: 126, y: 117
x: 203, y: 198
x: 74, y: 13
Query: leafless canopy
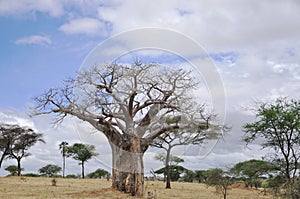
x: 122, y: 100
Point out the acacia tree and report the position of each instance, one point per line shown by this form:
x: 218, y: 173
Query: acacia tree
x: 175, y: 171
x: 81, y: 152
x: 169, y: 161
x: 63, y: 149
x: 252, y: 170
x: 99, y: 173
x: 12, y: 169
x: 221, y: 179
x: 6, y: 137
x: 180, y: 137
x: 50, y: 170
x: 278, y: 123
x: 16, y: 141
x: 127, y: 104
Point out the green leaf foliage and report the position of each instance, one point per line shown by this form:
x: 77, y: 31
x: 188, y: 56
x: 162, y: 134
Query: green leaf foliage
x: 278, y: 122
x: 175, y: 171
x: 12, y: 169
x: 49, y: 170
x: 99, y: 173
x: 278, y: 127
x: 81, y: 152
x: 252, y: 168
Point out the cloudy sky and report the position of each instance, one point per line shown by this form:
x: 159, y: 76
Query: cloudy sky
x: 254, y: 44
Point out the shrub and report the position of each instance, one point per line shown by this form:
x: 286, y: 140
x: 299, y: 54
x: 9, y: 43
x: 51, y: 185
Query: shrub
x: 71, y: 176
x: 31, y: 175
x: 99, y: 173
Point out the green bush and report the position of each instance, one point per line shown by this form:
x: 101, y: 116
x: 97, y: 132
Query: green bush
x: 99, y: 173
x: 31, y: 175
x: 71, y: 176
x: 276, y: 181
x: 265, y: 184
x: 56, y: 176
x: 256, y: 183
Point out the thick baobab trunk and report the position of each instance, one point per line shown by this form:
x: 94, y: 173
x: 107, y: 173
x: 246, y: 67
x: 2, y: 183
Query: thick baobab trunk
x: 128, y: 168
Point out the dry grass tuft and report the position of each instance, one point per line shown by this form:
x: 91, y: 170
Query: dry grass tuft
x: 53, y: 181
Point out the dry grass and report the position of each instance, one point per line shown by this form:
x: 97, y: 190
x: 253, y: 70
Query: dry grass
x: 28, y: 187
x: 199, y: 191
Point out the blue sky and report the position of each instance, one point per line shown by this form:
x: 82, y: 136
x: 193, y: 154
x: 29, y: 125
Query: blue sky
x: 35, y: 55
x: 255, y: 46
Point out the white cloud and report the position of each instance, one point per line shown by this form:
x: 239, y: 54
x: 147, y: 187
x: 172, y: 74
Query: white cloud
x: 15, y: 7
x: 34, y: 39
x: 258, y: 31
x: 87, y: 26
x: 15, y: 117
x: 292, y: 70
x: 213, y: 23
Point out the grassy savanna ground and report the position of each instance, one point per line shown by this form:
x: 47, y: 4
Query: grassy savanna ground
x: 28, y: 187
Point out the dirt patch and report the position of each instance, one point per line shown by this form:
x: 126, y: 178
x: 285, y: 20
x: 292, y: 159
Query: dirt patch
x: 238, y: 186
x: 101, y: 193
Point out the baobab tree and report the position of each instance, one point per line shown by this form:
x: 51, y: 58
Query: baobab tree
x: 127, y: 104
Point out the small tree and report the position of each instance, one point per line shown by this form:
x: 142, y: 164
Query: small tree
x: 81, y: 152
x: 49, y: 170
x: 169, y: 161
x: 188, y: 136
x: 201, y: 175
x: 276, y: 183
x: 251, y: 170
x: 189, y: 176
x: 220, y: 179
x: 63, y: 149
x: 278, y: 123
x: 15, y: 142
x: 13, y: 169
x: 99, y: 173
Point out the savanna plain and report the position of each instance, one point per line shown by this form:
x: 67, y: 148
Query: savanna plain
x: 40, y: 187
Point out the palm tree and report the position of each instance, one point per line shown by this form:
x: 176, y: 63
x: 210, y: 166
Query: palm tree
x: 63, y: 149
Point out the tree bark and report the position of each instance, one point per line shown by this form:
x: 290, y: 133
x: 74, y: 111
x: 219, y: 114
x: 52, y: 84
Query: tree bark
x: 168, y: 179
x: 167, y: 169
x: 82, y: 169
x: 64, y: 165
x: 19, y: 166
x: 128, y: 168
